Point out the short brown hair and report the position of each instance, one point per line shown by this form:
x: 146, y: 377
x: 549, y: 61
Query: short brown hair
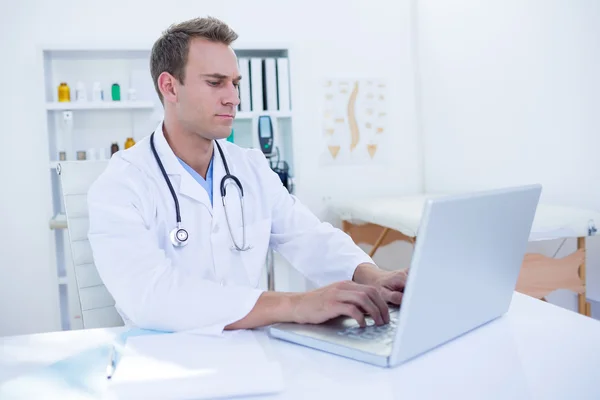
x: 170, y: 51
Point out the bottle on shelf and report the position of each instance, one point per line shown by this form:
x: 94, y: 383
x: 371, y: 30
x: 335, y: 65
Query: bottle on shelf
x: 64, y: 92
x: 80, y: 92
x: 116, y: 92
x: 97, y: 94
x: 131, y: 94
x: 129, y: 142
x: 114, y: 148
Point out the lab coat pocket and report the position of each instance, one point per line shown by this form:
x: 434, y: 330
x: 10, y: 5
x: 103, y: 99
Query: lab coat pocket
x: 258, y: 234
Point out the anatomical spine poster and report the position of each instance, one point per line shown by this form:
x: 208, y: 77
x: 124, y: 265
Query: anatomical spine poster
x: 354, y: 116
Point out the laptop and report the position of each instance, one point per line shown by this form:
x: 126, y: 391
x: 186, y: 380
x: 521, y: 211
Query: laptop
x: 463, y: 273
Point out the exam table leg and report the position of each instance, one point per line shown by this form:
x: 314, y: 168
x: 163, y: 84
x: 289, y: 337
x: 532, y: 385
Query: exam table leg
x: 379, y: 241
x: 584, y: 306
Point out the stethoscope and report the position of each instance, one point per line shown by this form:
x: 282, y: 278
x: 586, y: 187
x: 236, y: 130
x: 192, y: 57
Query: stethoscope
x: 179, y: 236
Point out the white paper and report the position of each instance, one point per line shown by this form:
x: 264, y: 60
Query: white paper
x: 245, y: 102
x: 271, y: 84
x: 354, y: 122
x: 256, y: 84
x: 283, y: 85
x: 212, y: 330
x: 181, y: 365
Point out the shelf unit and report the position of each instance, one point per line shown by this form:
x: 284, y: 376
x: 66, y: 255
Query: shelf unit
x: 140, y: 105
x: 97, y: 124
x: 99, y: 105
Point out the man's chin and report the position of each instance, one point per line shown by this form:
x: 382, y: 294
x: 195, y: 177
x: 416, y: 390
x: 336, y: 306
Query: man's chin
x: 222, y: 134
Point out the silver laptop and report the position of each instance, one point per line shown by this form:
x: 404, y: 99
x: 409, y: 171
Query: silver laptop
x: 463, y: 273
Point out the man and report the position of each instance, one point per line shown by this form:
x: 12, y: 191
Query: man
x: 207, y: 284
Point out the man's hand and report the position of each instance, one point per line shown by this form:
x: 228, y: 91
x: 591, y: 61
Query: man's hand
x: 366, y: 294
x: 343, y: 298
x: 390, y: 284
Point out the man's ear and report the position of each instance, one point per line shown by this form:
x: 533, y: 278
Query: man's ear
x: 167, y: 84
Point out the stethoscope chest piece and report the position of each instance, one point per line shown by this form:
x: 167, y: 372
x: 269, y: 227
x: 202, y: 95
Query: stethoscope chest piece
x: 179, y: 237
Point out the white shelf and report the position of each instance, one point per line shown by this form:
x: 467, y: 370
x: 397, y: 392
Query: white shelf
x: 99, y: 105
x: 248, y: 115
x: 132, y: 105
x: 53, y: 164
x: 273, y: 114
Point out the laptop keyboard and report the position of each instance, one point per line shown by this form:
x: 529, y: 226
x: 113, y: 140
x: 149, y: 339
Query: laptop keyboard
x: 384, y: 333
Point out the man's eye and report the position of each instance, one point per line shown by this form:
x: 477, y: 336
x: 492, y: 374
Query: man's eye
x: 213, y: 83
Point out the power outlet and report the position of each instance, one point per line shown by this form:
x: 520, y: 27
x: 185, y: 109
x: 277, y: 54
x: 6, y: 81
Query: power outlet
x: 68, y: 119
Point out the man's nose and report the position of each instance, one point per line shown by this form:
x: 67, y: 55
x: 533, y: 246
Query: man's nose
x: 232, y: 95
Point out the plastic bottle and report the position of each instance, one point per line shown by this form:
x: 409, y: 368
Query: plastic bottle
x: 80, y: 92
x: 114, y: 148
x: 116, y: 92
x: 64, y: 92
x: 129, y: 142
x: 97, y: 94
x: 131, y: 94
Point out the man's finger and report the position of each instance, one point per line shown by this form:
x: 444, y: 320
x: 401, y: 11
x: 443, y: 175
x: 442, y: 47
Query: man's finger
x: 362, y: 300
x: 353, y: 312
x: 392, y: 296
x: 375, y: 297
x: 396, y: 281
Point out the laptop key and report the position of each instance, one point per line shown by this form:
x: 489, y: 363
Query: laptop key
x: 383, y: 332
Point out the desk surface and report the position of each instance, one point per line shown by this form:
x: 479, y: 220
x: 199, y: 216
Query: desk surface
x: 536, y: 351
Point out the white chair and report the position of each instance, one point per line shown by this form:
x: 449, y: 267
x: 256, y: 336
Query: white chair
x: 95, y: 302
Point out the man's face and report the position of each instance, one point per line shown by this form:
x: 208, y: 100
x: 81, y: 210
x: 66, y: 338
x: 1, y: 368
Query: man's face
x: 207, y: 101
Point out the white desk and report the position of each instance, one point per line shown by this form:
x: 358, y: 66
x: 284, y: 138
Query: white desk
x: 537, y: 351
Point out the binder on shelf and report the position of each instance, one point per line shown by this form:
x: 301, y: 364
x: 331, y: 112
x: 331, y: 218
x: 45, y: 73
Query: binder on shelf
x: 270, y: 80
x: 256, y: 84
x: 244, y: 89
x: 283, y: 84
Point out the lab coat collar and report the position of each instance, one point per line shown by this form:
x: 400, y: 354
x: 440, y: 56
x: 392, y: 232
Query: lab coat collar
x: 181, y: 180
x: 218, y: 174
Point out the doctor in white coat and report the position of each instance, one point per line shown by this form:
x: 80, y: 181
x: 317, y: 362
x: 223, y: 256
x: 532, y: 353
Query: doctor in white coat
x: 208, y: 283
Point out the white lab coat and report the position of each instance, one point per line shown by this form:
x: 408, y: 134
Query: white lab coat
x: 205, y: 285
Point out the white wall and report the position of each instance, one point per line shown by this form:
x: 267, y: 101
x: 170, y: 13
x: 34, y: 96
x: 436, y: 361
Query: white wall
x: 329, y: 39
x: 509, y: 95
x: 498, y: 80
